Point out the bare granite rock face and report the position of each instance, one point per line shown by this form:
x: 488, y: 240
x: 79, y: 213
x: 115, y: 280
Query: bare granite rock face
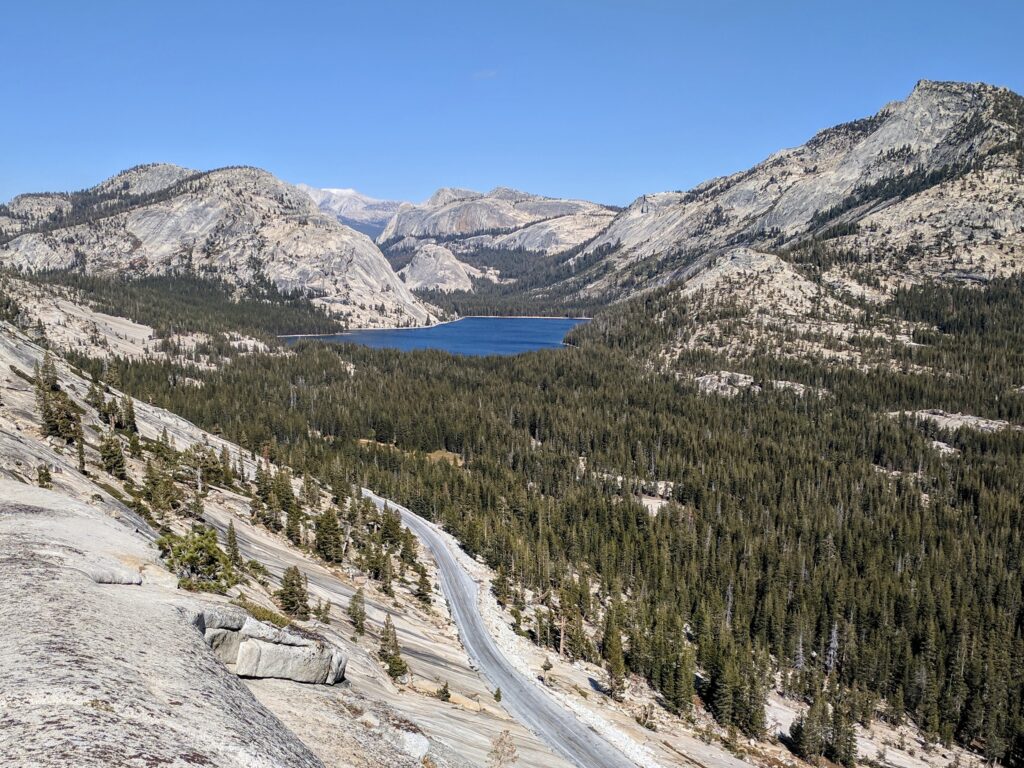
x: 264, y: 651
x: 434, y: 266
x: 502, y: 219
x: 935, y: 179
x: 102, y: 674
x: 239, y: 224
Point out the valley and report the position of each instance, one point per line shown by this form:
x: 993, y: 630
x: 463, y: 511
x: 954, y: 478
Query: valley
x: 761, y: 508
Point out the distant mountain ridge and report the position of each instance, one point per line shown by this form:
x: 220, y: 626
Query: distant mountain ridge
x: 502, y: 219
x: 458, y: 235
x: 238, y: 224
x: 353, y: 209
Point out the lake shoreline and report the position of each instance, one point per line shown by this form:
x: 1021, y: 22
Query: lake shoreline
x: 435, y: 325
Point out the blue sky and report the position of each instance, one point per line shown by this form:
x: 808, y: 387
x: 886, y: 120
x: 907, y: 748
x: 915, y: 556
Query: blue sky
x: 601, y: 100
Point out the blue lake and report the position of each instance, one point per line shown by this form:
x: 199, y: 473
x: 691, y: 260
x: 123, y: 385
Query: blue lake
x: 468, y: 336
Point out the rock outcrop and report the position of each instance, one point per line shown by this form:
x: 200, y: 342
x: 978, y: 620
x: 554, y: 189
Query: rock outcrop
x: 436, y: 267
x: 252, y: 648
x: 100, y: 672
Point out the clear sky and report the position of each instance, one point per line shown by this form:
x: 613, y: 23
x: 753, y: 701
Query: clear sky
x: 600, y: 100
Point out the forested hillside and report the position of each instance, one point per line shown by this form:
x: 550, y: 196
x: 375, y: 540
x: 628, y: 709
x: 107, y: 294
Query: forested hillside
x: 871, y: 560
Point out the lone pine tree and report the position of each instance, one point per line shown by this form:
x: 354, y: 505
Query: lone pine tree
x: 293, y: 596
x: 390, y: 652
x: 357, y: 611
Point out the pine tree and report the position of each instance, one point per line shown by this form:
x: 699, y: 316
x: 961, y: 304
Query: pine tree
x: 293, y: 596
x: 43, y: 477
x: 112, y: 457
x: 390, y: 652
x: 310, y: 492
x: 682, y: 688
x: 385, y: 576
x: 263, y: 483
x: 896, y: 709
x: 159, y: 490
x: 196, y: 509
x: 58, y: 414
x: 322, y: 612
x: 94, y: 397
x: 577, y: 644
x: 810, y: 731
x: 724, y: 685
x: 423, y: 589
x: 80, y: 447
x: 357, y: 611
x: 611, y: 649
x: 500, y: 586
x: 232, y: 545
x: 226, y: 469
x: 281, y: 489
x: 128, y: 415
x: 293, y: 524
x: 198, y: 560
x: 842, y: 746
x: 748, y: 707
x: 445, y: 694
x: 328, y: 536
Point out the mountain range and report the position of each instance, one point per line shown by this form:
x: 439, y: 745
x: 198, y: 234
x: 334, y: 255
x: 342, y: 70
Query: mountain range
x: 811, y: 554
x: 928, y: 187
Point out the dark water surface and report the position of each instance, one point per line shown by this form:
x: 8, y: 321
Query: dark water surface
x: 468, y: 336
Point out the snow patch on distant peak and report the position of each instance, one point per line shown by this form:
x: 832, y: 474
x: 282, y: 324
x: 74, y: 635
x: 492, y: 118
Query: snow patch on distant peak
x: 366, y: 214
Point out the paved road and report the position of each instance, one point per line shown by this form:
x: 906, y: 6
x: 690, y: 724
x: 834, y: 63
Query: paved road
x: 524, y: 698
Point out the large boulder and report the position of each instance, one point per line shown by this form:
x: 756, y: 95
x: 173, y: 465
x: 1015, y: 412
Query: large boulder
x: 256, y: 649
x: 303, y: 664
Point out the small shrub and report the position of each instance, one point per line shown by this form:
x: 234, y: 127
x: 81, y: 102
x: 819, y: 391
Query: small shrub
x: 260, y: 613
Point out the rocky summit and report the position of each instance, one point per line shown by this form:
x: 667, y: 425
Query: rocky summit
x: 930, y: 184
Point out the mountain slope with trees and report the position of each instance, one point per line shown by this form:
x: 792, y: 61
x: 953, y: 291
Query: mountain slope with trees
x: 237, y: 225
x: 929, y: 188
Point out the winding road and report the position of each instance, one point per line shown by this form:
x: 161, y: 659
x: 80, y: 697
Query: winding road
x: 525, y: 699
